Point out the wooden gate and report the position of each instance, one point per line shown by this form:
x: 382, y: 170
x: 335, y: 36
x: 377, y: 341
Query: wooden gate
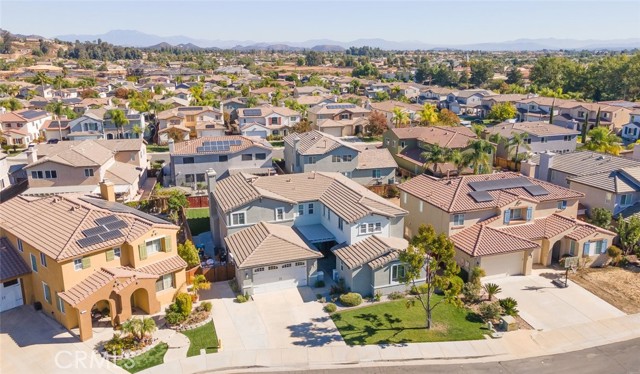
x: 219, y: 273
x: 198, y: 201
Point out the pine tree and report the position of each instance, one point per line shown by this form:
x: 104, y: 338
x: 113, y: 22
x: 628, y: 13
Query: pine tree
x: 584, y: 128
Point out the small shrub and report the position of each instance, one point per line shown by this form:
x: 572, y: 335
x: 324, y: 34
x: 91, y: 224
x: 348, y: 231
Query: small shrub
x: 419, y: 290
x: 509, y: 306
x: 351, y: 299
x: 330, y: 308
x: 396, y: 295
x: 338, y: 288
x: 318, y: 296
x: 615, y: 254
x: 114, y: 346
x: 322, y: 299
x: 377, y: 296
x: 184, y: 304
x: 490, y: 311
x: 476, y: 274
x: 392, y: 191
x: 241, y: 299
x: 174, y: 318
x: 206, y: 306
x: 319, y: 284
x: 492, y: 289
x: 471, y: 292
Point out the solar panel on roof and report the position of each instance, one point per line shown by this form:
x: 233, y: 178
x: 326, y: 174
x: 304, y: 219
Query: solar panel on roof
x: 108, y: 219
x: 252, y: 112
x: 500, y: 184
x: 94, y: 231
x: 116, y: 225
x: 121, y: 208
x: 536, y: 190
x: 189, y: 108
x: 87, y: 242
x: 110, y: 235
x: 340, y: 106
x: 481, y: 196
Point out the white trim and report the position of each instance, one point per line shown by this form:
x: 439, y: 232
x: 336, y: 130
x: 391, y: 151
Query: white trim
x: 237, y: 212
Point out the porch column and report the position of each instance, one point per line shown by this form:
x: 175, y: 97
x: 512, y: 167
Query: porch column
x: 84, y: 324
x: 527, y: 264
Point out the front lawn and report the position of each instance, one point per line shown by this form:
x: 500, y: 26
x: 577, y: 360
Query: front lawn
x: 154, y: 148
x: 146, y: 360
x: 202, y: 337
x: 392, y: 322
x: 198, y: 220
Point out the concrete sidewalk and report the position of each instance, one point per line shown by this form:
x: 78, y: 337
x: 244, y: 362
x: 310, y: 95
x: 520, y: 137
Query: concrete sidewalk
x: 514, y: 345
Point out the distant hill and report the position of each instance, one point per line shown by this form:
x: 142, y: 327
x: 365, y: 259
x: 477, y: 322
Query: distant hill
x: 186, y: 47
x: 328, y: 48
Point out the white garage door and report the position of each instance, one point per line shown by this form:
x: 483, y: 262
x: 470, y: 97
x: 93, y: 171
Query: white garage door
x: 279, y: 277
x: 503, y: 265
x: 10, y: 295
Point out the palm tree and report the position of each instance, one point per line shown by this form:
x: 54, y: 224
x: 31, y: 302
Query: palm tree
x: 428, y: 115
x: 400, y: 117
x: 136, y: 130
x: 147, y: 327
x: 603, y: 140
x: 492, y: 289
x: 480, y: 155
x: 252, y: 101
x: 458, y: 159
x: 435, y: 155
x: 119, y: 120
x: 57, y: 108
x: 200, y: 283
x: 41, y: 79
x: 518, y: 140
x: 478, y: 129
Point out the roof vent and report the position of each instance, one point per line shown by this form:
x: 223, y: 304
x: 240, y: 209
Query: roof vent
x: 600, y: 158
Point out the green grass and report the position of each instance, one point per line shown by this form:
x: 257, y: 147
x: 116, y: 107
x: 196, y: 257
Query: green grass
x: 198, y: 220
x: 371, y: 139
x: 392, y: 323
x: 157, y: 148
x: 202, y: 337
x: 277, y: 143
x: 146, y: 360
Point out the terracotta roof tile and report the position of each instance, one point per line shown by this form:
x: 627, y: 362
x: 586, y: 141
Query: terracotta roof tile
x: 189, y: 147
x: 11, y: 263
x: 374, y: 250
x: 481, y: 240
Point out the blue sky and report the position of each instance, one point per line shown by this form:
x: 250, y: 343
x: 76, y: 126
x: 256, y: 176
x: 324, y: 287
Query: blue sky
x: 442, y: 22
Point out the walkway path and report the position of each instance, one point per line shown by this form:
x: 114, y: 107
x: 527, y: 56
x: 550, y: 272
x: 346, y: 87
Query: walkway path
x: 178, y: 347
x: 514, y: 345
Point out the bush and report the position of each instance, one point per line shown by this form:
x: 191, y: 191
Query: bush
x: 351, y: 299
x: 330, y: 308
x: 243, y: 298
x: 319, y: 284
x: 377, y: 296
x: 509, y: 306
x: 396, y: 295
x: 206, y: 306
x: 184, y: 304
x: 338, y: 288
x: 476, y: 274
x: 490, y: 311
x: 419, y: 290
x: 174, y: 318
x: 189, y: 253
x: 471, y: 292
x: 392, y: 191
x: 615, y: 254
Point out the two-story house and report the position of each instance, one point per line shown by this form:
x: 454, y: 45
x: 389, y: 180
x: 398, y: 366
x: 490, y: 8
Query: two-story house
x: 276, y: 228
x: 467, y: 102
x: 317, y: 151
x: 79, y: 166
x: 537, y: 108
x: 631, y: 131
x: 187, y: 120
x: 407, y: 145
x: 488, y: 102
x: 387, y: 108
x: 607, y: 181
x: 435, y: 95
x: 339, y: 119
x: 227, y: 155
x: 309, y: 91
x: 572, y: 114
x: 78, y: 258
x: 89, y: 125
x: 24, y: 126
x: 136, y: 121
x: 267, y: 121
x: 503, y: 222
x: 540, y: 137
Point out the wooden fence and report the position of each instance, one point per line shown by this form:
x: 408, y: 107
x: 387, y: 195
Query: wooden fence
x: 218, y: 273
x: 507, y: 164
x: 198, y: 201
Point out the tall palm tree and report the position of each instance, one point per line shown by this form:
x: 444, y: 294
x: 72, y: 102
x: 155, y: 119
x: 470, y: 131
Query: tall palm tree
x: 41, y: 78
x: 602, y: 139
x: 478, y: 129
x: 434, y: 156
x: 428, y: 115
x: 458, y: 159
x: 518, y: 140
x: 57, y: 108
x: 119, y: 120
x: 480, y: 155
x: 400, y: 117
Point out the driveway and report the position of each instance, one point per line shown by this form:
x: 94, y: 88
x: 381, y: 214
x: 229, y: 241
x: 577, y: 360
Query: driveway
x: 544, y: 306
x: 280, y: 319
x: 33, y: 343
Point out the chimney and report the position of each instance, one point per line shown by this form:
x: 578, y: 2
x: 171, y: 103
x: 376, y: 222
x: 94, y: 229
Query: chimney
x: 32, y: 154
x: 107, y: 190
x: 545, y: 165
x: 172, y: 146
x: 211, y: 180
x: 528, y: 168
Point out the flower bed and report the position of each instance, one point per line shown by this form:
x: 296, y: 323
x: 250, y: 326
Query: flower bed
x: 130, y: 353
x: 193, y: 325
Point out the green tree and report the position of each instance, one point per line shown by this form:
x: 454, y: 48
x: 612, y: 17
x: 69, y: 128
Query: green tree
x: 177, y: 200
x: 365, y: 70
x: 629, y: 233
x: 434, y: 156
x: 58, y: 109
x: 502, y: 112
x: 119, y: 120
x: 491, y: 289
x: 518, y: 140
x: 480, y: 156
x: 514, y: 76
x: 301, y: 127
x: 41, y: 79
x: 431, y: 256
x: 382, y: 96
x: 428, y: 115
x: 400, y: 117
x: 200, y: 283
x: 252, y: 101
x: 603, y: 140
x: 601, y: 217
x: 448, y: 118
x: 481, y: 72
x: 189, y: 253
x: 11, y: 104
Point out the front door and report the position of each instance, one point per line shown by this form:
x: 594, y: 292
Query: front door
x: 555, y: 252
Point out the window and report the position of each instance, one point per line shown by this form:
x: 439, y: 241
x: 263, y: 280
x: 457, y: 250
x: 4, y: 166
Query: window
x: 279, y: 214
x: 378, y: 227
x: 247, y: 157
x: 77, y: 264
x: 59, y: 304
x: 346, y: 158
x: 88, y: 172
x: 37, y: 174
x: 300, y: 263
x: 340, y: 224
x: 370, y: 228
x: 376, y: 173
x: 43, y: 259
x: 223, y: 158
x: 607, y: 197
x: 292, y: 119
x: 344, y: 116
x: 458, y: 219
x: 274, y: 120
x: 257, y: 270
x: 567, y: 138
x: 363, y: 229
x: 527, y: 141
x: 403, y: 144
x: 310, y: 208
x: 47, y: 292
x: 34, y: 263
x: 301, y: 209
x: 397, y: 273
x: 188, y: 160
x: 20, y: 247
x: 516, y: 214
x: 133, y: 157
x: 580, y: 114
x: 154, y: 246
x: 272, y: 267
x: 117, y: 253
x: 562, y: 205
x: 48, y: 174
x: 238, y: 218
x: 626, y: 199
x: 335, y: 158
x: 189, y: 178
x: 261, y: 156
x: 600, y: 247
x: 543, y: 140
x: 286, y: 265
x: 421, y: 206
x: 572, y: 248
x: 165, y: 282
x: 311, y: 160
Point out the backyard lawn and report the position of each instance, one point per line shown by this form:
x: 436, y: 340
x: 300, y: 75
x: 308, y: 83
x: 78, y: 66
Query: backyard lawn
x: 146, y: 360
x: 392, y: 322
x: 202, y: 337
x: 157, y: 148
x: 198, y: 219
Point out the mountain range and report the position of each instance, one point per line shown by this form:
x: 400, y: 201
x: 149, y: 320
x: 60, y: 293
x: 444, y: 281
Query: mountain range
x: 134, y: 38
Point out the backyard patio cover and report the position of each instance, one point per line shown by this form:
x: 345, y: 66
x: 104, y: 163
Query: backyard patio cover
x: 315, y: 233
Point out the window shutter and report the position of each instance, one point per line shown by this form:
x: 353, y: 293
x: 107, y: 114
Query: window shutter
x: 585, y: 249
x: 86, y: 262
x: 529, y: 213
x: 507, y: 216
x: 167, y: 244
x: 110, y: 255
x: 604, y: 246
x: 142, y: 251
